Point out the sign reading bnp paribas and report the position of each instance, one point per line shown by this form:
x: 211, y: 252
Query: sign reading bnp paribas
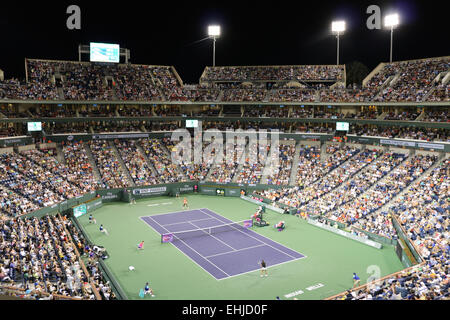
x: 149, y: 190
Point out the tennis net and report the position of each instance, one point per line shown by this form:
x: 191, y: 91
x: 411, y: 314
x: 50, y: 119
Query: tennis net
x: 180, y: 235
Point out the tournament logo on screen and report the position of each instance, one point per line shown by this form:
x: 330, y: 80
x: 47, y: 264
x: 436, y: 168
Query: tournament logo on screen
x: 167, y: 238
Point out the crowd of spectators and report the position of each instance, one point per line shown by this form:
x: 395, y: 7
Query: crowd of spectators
x: 256, y: 158
x: 7, y: 131
x: 378, y: 165
x: 97, y: 111
x: 425, y: 134
x: 384, y: 191
x: 436, y: 116
x: 112, y: 173
x: 440, y: 93
x: 13, y: 204
x: 56, y: 171
x: 50, y: 111
x: 24, y: 177
x: 422, y: 211
x: 374, y: 131
x: 278, y: 73
x: 301, y: 127
x: 280, y: 175
x: 302, y: 112
x: 226, y: 170
x: 14, y: 89
x: 313, y: 171
x: 398, y: 81
x: 402, y: 116
x: 416, y: 79
x: 37, y: 255
x: 66, y: 127
x: 290, y: 95
x: 160, y: 157
x: 136, y: 163
x: 79, y: 166
x: 244, y: 95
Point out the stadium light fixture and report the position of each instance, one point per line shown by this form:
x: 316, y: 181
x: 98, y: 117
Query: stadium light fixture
x: 338, y: 28
x: 214, y: 33
x: 391, y: 21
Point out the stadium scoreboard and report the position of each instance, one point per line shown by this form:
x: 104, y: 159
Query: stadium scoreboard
x: 34, y: 126
x: 191, y: 123
x: 104, y: 52
x: 342, y: 126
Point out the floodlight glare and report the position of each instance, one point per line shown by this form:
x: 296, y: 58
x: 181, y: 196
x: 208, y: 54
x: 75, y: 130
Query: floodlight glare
x: 391, y: 21
x: 338, y: 26
x: 214, y: 31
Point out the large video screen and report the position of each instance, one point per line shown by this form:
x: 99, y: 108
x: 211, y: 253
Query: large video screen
x: 342, y: 126
x: 34, y: 126
x: 79, y: 210
x: 105, y: 52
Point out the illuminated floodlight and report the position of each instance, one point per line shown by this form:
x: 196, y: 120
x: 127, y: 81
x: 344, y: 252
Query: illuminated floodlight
x: 338, y: 26
x: 391, y: 21
x: 214, y: 31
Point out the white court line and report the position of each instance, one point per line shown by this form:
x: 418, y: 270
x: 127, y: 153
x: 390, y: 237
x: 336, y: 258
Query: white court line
x: 220, y: 254
x: 157, y: 204
x: 189, y: 248
x: 268, y: 267
x: 263, y: 241
x: 229, y: 276
x: 214, y: 237
x: 161, y: 214
x: 171, y: 224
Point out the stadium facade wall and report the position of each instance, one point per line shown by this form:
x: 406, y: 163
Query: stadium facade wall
x: 389, y: 123
x: 377, y: 141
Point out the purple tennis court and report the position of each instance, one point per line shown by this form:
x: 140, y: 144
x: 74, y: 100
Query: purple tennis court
x: 222, y: 254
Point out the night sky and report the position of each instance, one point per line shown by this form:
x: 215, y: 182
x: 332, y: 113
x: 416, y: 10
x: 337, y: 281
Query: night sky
x: 253, y: 32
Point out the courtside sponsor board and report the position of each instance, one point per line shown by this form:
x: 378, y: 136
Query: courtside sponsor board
x: 156, y: 190
x: 346, y: 234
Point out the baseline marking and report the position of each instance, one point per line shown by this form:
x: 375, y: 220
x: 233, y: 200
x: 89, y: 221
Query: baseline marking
x: 271, y: 266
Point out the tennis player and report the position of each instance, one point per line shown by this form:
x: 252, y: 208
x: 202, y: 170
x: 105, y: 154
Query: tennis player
x: 102, y: 229
x: 148, y: 290
x: 280, y: 226
x: 141, y: 245
x: 356, y: 280
x: 185, y: 203
x: 92, y: 219
x: 263, y: 268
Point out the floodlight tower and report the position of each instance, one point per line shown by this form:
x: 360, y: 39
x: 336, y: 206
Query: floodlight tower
x: 338, y: 28
x: 214, y: 33
x: 391, y: 21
